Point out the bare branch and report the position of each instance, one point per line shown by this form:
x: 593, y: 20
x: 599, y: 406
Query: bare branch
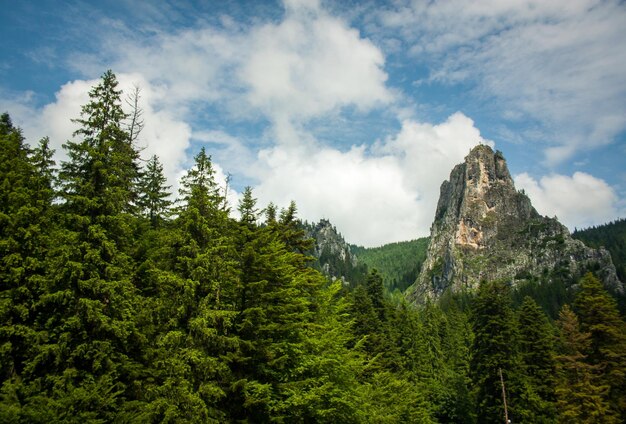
x: 136, y: 123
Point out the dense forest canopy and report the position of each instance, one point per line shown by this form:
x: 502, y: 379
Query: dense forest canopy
x: 399, y: 263
x: 119, y: 305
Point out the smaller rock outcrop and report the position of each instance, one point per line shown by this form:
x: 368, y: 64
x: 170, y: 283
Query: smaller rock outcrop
x: 334, y: 256
x: 484, y: 229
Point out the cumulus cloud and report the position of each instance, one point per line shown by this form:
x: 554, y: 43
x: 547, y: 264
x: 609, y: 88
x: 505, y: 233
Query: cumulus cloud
x: 310, y: 64
x: 307, y: 64
x: 384, y: 194
x: 561, y: 63
x: 580, y: 200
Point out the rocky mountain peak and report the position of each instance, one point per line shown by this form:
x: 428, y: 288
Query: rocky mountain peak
x: 485, y: 229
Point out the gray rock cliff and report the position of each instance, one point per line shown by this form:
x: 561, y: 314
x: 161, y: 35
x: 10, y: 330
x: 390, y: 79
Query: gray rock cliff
x: 484, y: 229
x: 334, y: 256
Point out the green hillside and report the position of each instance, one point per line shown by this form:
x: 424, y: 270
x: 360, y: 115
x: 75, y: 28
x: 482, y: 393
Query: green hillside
x: 398, y: 263
x: 613, y: 237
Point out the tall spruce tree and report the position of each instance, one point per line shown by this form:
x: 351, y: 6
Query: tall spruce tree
x: 599, y: 316
x: 249, y: 214
x: 25, y: 223
x: 101, y: 175
x: 291, y: 232
x: 580, y: 396
x: 194, y: 280
x: 87, y: 364
x: 154, y: 194
x: 536, y: 344
x: 279, y: 297
x: 495, y: 353
x: 375, y: 290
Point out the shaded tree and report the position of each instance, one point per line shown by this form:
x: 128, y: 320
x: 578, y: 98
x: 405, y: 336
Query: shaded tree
x: 536, y: 341
x: 86, y: 365
x: 26, y: 193
x: 599, y: 317
x: 580, y: 395
x: 495, y: 350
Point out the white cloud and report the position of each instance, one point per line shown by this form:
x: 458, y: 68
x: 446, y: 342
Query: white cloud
x: 561, y: 63
x: 306, y: 65
x: 364, y: 197
x: 229, y: 151
x: 578, y: 201
x: 386, y: 194
x: 429, y: 152
x: 311, y: 64
x: 190, y: 65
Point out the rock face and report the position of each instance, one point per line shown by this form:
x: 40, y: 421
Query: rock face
x: 334, y: 256
x: 484, y: 229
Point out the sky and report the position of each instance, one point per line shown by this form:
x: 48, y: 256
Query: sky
x: 356, y: 110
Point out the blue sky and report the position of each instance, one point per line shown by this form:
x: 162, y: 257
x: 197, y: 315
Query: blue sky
x: 356, y: 110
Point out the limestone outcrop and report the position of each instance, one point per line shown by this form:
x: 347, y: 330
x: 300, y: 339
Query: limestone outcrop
x: 485, y: 229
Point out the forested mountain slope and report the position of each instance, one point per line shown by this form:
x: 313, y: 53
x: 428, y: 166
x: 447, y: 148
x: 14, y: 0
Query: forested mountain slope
x: 611, y: 236
x: 398, y: 263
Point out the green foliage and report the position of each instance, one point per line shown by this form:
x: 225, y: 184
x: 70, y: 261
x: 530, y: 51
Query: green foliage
x: 580, y: 395
x: 249, y: 214
x: 550, y: 292
x: 26, y: 178
x: 536, y: 343
x: 495, y: 352
x: 599, y: 317
x: 398, y: 263
x: 154, y: 194
x: 102, y: 172
x: 612, y: 236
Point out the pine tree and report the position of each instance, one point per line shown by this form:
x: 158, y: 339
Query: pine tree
x: 368, y: 328
x: 599, y: 316
x: 324, y: 387
x: 270, y: 213
x: 454, y: 403
x: 580, y: 398
x: 291, y: 231
x: 536, y: 348
x: 247, y: 208
x: 101, y: 175
x: 375, y: 290
x: 153, y: 193
x: 276, y: 312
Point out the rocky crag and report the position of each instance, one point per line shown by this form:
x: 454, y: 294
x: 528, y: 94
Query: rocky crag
x: 484, y: 229
x: 334, y: 256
